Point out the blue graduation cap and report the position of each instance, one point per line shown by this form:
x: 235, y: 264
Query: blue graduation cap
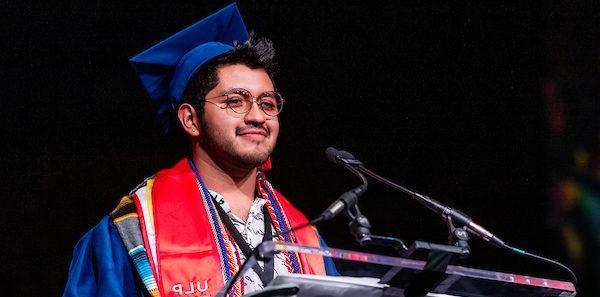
x: 165, y: 69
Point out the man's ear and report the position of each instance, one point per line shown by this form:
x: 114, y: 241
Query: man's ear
x: 189, y: 119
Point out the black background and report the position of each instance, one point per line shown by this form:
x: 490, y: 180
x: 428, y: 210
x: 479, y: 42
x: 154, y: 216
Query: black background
x: 442, y: 98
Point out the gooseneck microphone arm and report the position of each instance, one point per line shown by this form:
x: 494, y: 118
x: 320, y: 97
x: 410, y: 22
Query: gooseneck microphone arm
x: 446, y: 212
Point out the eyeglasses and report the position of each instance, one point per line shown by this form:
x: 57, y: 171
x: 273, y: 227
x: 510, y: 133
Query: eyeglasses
x: 240, y: 101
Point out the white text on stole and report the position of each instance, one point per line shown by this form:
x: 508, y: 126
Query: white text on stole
x: 193, y: 288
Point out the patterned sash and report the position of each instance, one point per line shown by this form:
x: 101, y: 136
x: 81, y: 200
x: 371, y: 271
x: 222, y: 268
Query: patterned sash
x: 184, y: 260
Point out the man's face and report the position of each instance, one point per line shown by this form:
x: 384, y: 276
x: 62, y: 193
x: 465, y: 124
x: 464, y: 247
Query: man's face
x: 245, y: 140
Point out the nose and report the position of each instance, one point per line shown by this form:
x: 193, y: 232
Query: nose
x: 255, y: 114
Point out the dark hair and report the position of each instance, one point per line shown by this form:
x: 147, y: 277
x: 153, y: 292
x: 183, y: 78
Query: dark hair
x: 254, y: 53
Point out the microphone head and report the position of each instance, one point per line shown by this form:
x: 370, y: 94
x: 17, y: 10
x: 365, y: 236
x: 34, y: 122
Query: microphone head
x: 345, y: 155
x: 332, y: 154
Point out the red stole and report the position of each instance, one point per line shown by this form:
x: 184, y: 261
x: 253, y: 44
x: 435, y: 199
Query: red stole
x: 189, y: 260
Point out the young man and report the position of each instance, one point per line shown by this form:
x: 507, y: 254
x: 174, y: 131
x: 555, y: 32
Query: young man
x: 188, y: 229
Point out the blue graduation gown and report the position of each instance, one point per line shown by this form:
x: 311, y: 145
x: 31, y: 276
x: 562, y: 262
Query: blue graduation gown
x: 101, y: 265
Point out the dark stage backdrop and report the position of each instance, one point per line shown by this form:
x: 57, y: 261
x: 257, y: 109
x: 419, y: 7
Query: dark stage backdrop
x: 442, y: 98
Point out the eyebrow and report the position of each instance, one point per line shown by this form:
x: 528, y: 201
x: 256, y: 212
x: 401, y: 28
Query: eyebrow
x: 229, y: 91
x: 236, y: 90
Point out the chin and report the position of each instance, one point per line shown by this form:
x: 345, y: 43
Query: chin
x: 252, y: 159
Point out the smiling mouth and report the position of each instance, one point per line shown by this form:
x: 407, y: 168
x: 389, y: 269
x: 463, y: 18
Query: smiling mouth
x: 253, y: 132
x: 255, y: 136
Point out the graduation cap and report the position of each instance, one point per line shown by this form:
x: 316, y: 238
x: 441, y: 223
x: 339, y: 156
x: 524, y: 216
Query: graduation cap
x: 165, y: 68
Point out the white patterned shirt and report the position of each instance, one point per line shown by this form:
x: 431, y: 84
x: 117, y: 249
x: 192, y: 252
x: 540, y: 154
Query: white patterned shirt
x: 252, y: 231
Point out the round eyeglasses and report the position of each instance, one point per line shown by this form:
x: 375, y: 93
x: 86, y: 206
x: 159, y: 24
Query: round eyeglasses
x: 241, y: 100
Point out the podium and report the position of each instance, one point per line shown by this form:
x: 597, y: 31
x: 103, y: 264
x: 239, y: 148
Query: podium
x: 371, y: 275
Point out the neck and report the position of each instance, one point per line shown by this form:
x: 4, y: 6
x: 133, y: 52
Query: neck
x: 237, y: 185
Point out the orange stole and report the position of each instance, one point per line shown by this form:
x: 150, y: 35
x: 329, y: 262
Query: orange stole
x: 188, y: 254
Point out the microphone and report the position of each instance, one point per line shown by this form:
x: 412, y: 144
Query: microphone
x: 349, y: 198
x: 346, y: 200
x: 341, y: 157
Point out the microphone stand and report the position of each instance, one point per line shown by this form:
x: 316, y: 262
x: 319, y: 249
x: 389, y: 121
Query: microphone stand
x: 439, y: 256
x: 458, y: 234
x: 359, y: 224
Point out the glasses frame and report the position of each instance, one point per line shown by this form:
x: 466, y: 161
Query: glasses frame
x: 254, y: 99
